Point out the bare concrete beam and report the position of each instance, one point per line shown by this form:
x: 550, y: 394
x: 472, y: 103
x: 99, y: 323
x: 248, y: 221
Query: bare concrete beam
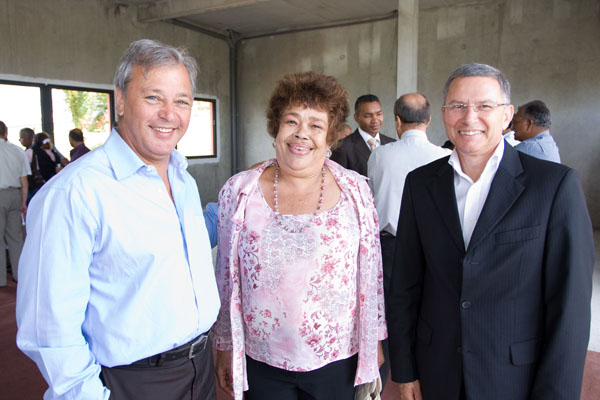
x: 163, y: 10
x: 408, y: 43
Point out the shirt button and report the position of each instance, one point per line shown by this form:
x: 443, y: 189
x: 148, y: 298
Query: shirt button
x: 465, y: 304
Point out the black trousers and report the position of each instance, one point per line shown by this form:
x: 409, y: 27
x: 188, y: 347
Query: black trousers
x: 463, y: 394
x: 189, y: 379
x: 387, y: 257
x: 334, y: 381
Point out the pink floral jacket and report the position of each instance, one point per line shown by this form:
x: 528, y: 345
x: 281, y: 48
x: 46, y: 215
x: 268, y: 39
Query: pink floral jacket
x: 228, y: 331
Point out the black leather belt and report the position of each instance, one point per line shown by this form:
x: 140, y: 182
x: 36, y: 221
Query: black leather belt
x: 188, y: 350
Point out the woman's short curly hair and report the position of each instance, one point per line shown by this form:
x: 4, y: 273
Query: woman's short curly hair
x: 309, y: 89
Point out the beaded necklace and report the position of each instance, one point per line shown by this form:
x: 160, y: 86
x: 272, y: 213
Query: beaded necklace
x: 278, y: 217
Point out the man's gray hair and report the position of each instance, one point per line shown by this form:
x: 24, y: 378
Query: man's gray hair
x: 538, y: 112
x: 475, y: 69
x: 149, y: 54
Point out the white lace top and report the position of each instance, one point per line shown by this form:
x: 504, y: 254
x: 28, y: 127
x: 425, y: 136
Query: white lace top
x: 299, y: 290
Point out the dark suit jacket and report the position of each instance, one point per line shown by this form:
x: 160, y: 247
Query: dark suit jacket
x: 353, y: 153
x: 511, y: 314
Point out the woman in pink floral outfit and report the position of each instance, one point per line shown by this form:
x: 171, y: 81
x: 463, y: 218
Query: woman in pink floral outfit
x: 299, y: 264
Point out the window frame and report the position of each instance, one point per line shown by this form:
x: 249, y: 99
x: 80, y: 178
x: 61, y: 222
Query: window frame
x: 46, y: 99
x: 214, y: 130
x: 46, y: 86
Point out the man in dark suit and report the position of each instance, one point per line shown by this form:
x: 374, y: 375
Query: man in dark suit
x: 354, y: 151
x: 492, y: 279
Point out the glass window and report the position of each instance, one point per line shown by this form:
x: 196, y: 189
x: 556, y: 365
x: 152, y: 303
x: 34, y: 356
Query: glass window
x: 20, y: 108
x: 86, y: 110
x: 200, y: 138
x: 58, y: 109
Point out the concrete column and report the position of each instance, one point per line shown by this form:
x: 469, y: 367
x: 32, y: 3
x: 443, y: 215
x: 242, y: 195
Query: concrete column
x: 408, y: 41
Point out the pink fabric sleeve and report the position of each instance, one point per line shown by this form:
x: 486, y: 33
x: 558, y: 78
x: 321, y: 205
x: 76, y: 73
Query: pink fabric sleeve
x: 221, y: 331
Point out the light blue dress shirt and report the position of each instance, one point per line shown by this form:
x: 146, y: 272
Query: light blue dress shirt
x: 541, y: 146
x: 211, y: 216
x: 112, y: 270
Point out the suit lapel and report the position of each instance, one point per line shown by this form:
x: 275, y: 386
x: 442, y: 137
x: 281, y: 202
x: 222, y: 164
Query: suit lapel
x: 504, y: 191
x: 442, y: 192
x: 361, y: 148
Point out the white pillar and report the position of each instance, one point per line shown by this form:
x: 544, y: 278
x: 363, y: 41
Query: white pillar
x: 408, y: 43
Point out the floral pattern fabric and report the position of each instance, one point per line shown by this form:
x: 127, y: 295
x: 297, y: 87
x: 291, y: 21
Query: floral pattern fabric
x: 299, y: 290
x: 299, y: 301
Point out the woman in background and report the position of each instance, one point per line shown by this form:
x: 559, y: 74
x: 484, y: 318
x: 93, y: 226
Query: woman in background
x: 43, y: 157
x: 299, y: 263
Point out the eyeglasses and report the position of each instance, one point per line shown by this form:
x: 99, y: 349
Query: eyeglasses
x: 483, y: 108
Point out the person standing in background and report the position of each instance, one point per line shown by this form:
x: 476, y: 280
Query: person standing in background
x: 76, y: 141
x: 354, y: 150
x: 14, y: 170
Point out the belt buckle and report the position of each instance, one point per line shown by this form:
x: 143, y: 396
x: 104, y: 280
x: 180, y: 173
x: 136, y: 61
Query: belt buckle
x: 201, y: 339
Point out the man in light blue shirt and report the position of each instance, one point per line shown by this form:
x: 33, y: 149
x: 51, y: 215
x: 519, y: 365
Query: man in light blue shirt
x: 117, y: 291
x: 531, y: 125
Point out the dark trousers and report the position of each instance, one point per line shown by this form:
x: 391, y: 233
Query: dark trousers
x: 189, y: 379
x: 463, y: 394
x: 387, y: 257
x: 11, y: 231
x: 334, y: 381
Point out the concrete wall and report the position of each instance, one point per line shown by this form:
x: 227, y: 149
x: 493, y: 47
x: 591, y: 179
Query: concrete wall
x: 362, y: 57
x: 550, y: 50
x: 77, y: 42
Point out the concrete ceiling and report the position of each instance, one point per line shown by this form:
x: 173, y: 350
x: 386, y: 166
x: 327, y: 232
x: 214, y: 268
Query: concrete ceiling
x: 253, y: 18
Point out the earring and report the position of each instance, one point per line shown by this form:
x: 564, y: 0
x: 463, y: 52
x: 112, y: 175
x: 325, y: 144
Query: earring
x: 273, y: 143
x: 328, y: 152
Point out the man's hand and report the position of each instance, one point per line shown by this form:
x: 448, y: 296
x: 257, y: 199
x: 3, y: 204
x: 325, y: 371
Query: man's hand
x: 410, y: 391
x: 223, y: 371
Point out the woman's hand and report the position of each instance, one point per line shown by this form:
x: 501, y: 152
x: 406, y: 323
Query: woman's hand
x: 380, y: 355
x: 223, y: 371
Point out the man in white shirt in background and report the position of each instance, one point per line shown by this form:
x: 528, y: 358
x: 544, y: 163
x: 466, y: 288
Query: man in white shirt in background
x: 117, y: 290
x: 387, y: 168
x: 509, y: 134
x: 389, y: 165
x: 13, y: 196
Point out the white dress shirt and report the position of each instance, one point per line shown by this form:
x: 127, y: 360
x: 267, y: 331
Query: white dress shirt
x: 510, y: 138
x: 471, y: 196
x: 13, y: 165
x: 118, y: 272
x: 388, y: 166
x: 366, y: 138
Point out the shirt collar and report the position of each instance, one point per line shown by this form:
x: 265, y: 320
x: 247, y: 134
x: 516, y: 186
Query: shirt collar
x: 125, y: 162
x: 415, y: 133
x: 366, y: 136
x: 541, y: 135
x: 490, y: 167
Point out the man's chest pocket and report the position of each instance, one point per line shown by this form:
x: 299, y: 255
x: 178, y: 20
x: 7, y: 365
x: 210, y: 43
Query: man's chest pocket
x: 518, y: 235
